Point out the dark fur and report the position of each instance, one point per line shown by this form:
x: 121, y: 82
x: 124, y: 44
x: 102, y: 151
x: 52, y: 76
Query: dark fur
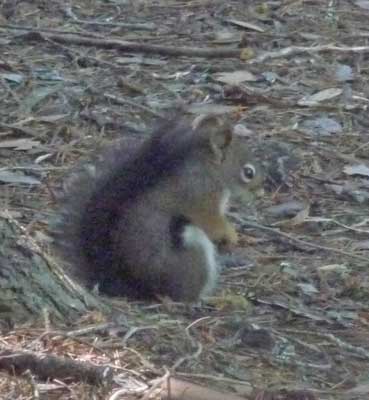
x: 177, y: 226
x: 94, y: 204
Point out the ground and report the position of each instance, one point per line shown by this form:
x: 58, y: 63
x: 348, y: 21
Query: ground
x: 290, y: 320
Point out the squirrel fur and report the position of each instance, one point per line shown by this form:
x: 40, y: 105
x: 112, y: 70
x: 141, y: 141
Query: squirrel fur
x: 145, y: 221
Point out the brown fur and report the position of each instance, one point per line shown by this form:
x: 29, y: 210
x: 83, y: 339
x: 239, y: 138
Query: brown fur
x: 123, y: 228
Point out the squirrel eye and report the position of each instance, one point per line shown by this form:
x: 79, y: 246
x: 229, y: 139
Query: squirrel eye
x: 248, y: 172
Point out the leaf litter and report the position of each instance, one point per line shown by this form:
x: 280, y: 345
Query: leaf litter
x: 290, y: 320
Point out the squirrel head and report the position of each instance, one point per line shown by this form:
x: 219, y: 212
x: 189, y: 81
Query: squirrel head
x: 230, y: 155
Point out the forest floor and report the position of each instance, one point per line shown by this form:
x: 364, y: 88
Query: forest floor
x: 290, y: 319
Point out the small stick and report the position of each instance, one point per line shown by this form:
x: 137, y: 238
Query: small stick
x: 293, y: 50
x: 305, y: 243
x: 47, y: 366
x: 135, y: 47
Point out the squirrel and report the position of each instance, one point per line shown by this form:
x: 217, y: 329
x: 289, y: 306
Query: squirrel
x: 147, y: 225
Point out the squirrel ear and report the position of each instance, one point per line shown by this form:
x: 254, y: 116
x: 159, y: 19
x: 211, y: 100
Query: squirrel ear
x: 217, y: 134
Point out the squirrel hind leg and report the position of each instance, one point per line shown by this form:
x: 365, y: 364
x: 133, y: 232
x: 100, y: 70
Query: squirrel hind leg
x: 177, y: 260
x: 115, y: 286
x: 191, y: 266
x: 196, y: 241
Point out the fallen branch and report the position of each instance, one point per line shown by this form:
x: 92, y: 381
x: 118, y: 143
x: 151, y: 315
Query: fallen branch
x: 134, y: 47
x: 47, y: 366
x: 47, y: 30
x: 123, y: 25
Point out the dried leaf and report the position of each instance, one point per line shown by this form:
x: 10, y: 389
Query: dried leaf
x: 322, y: 126
x: 38, y: 95
x: 226, y: 36
x: 43, y: 157
x: 235, y: 77
x: 298, y: 219
x: 351, y: 190
x: 13, y: 177
x: 46, y: 74
x: 139, y: 60
x: 340, y: 268
x: 14, y: 78
x: 359, y: 169
x: 323, y: 95
x: 242, y: 130
x: 362, y: 4
x: 247, y: 25
x: 232, y: 302
x: 270, y: 77
x: 361, y: 245
x: 216, y: 109
x: 343, y: 73
x: 342, y: 316
x: 51, y: 118
x: 19, y: 144
x: 361, y: 389
x: 247, y: 53
x: 286, y: 210
x: 307, y: 288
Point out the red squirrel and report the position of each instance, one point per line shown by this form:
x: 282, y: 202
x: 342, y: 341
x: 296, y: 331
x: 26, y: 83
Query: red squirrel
x: 147, y: 223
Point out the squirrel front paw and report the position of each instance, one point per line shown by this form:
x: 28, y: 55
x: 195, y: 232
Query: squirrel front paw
x: 229, y: 237
x: 223, y: 232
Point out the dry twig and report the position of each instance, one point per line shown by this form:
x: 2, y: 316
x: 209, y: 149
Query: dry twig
x: 47, y: 366
x: 293, y: 50
x: 134, y: 47
x: 304, y: 242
